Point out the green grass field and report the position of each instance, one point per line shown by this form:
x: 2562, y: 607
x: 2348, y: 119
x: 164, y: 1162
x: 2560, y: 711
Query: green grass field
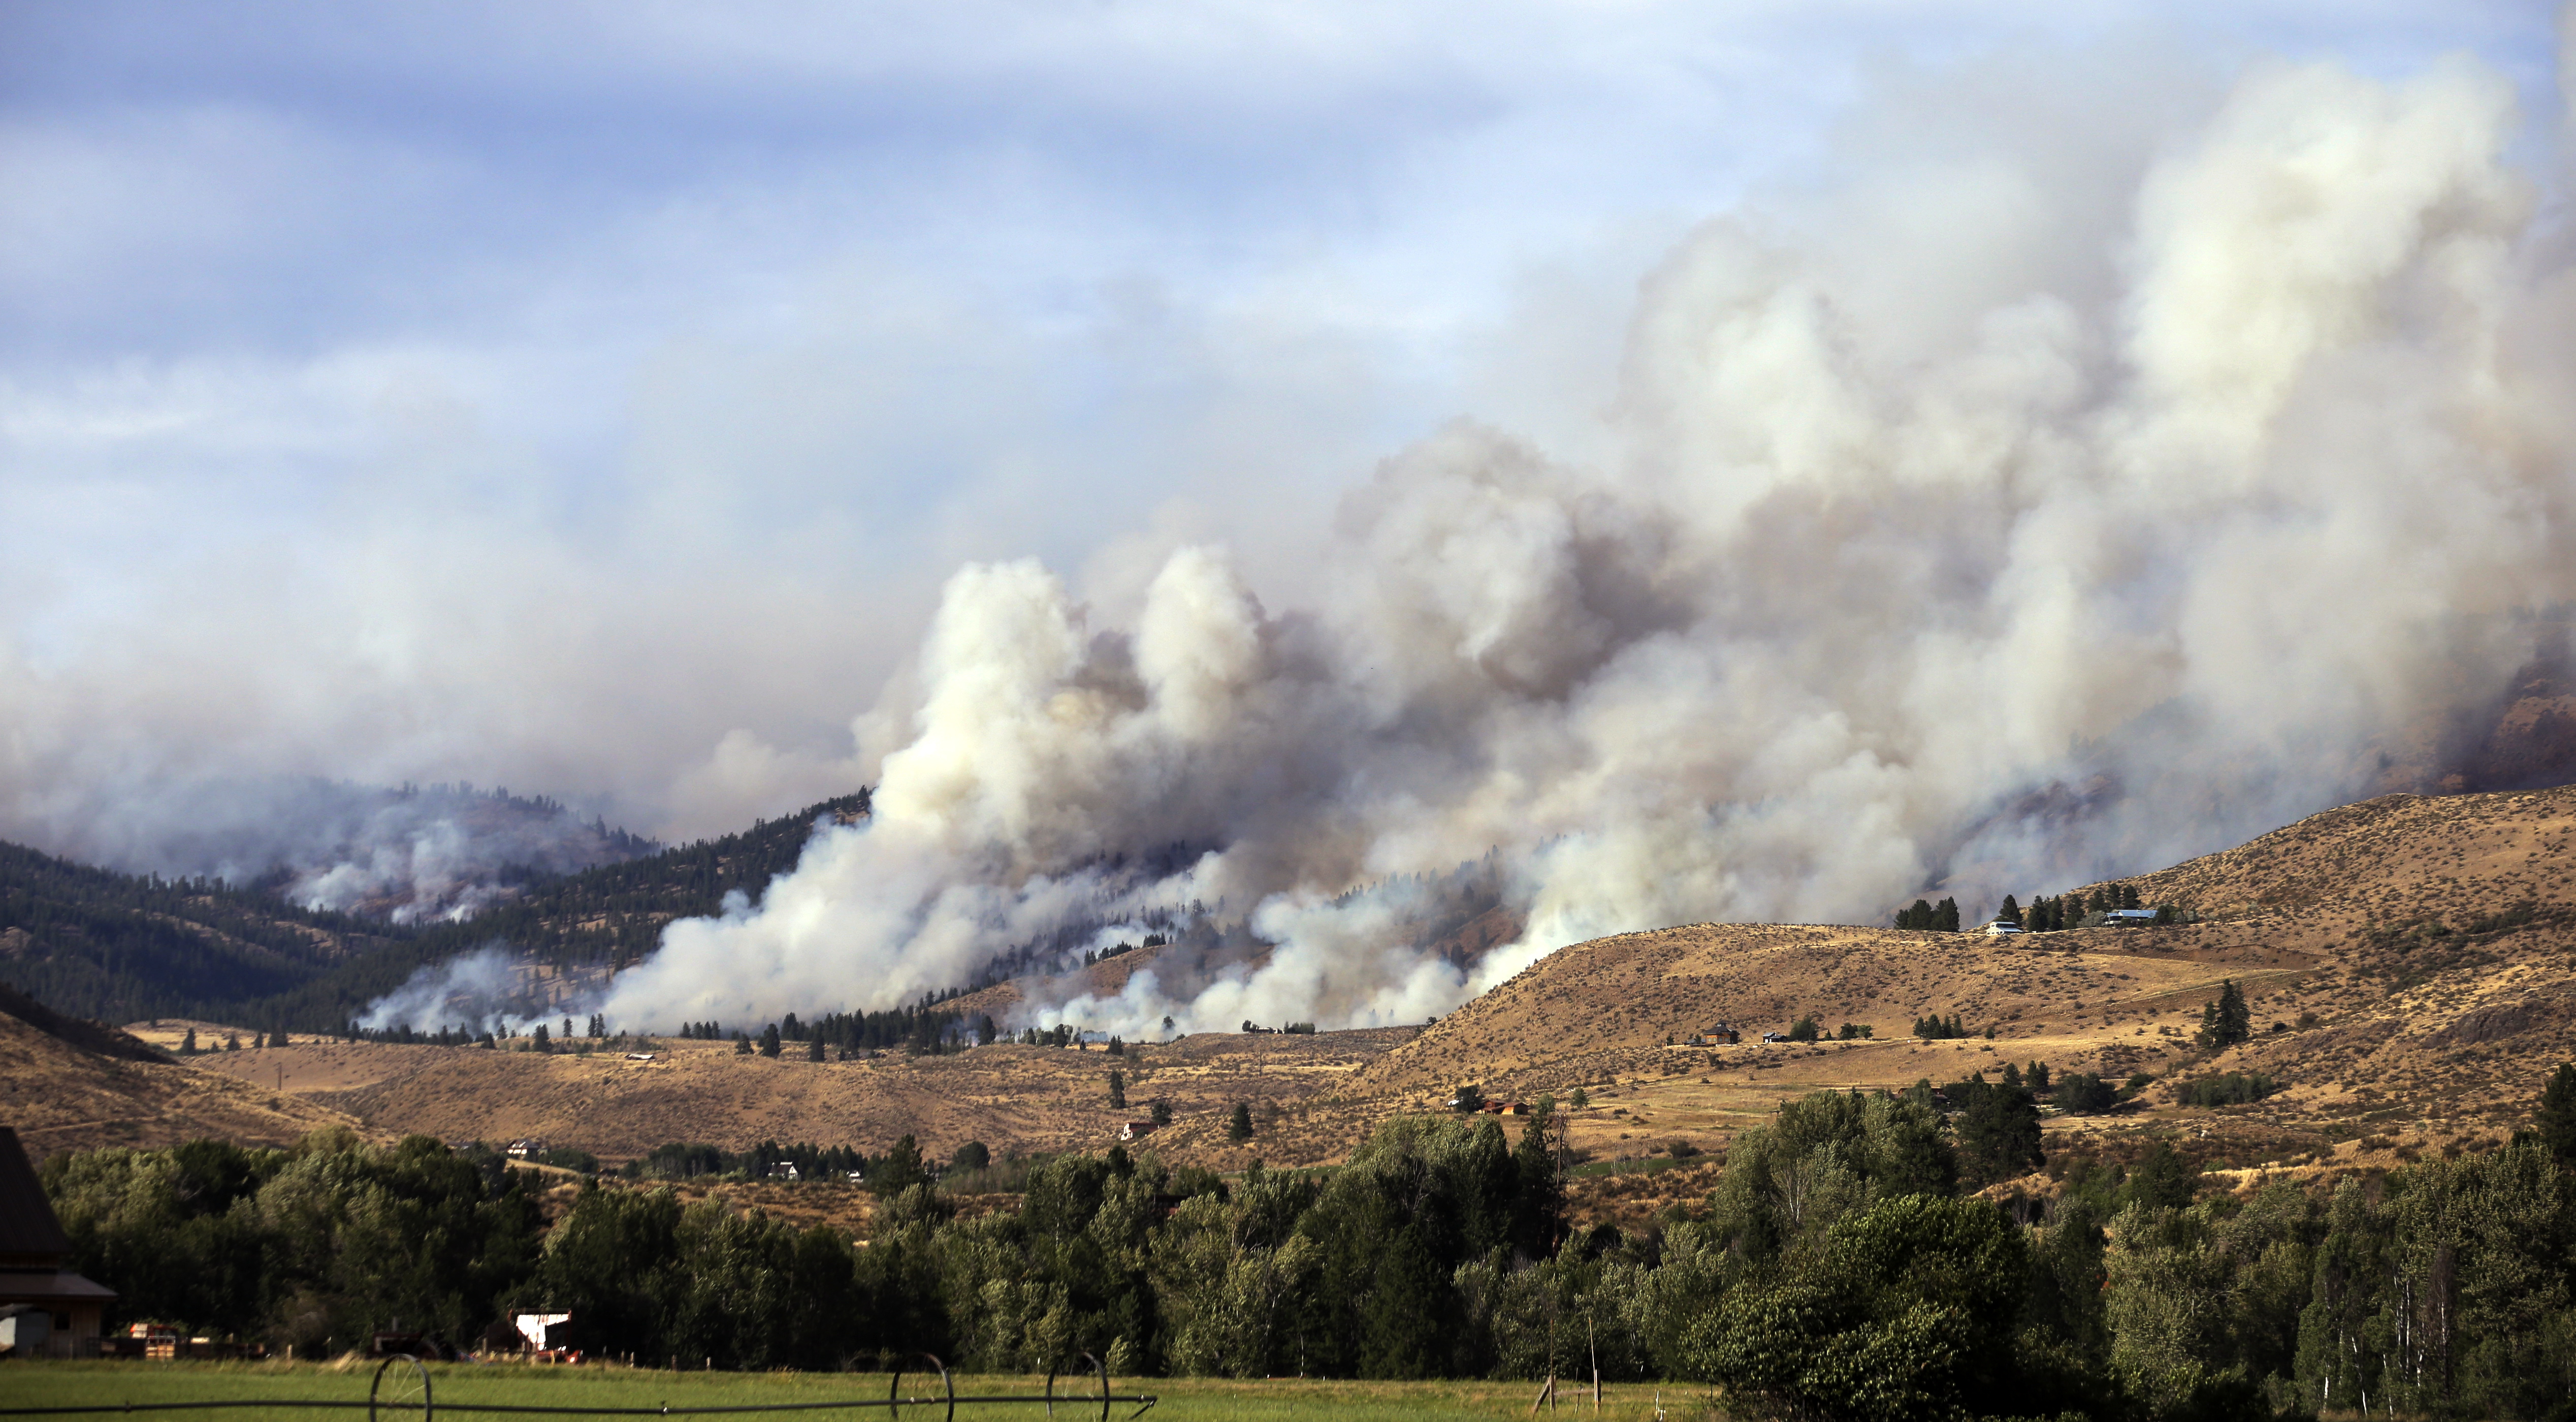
x: 113, y: 1384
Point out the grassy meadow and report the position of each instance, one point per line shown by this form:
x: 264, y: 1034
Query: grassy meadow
x: 114, y: 1384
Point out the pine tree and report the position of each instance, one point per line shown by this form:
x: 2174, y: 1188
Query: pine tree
x: 2010, y: 912
x: 898, y: 1170
x: 814, y: 1049
x: 769, y: 1040
x: 1946, y: 917
x: 2226, y: 1020
x: 1538, y: 1211
x: 1238, y: 1127
x: 188, y: 1046
x: 1998, y: 1128
x: 2556, y: 1127
x: 1117, y: 1090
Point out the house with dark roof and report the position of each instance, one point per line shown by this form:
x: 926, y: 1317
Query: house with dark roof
x: 46, y: 1310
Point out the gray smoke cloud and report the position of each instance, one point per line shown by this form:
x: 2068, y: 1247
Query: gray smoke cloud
x: 1964, y: 534
x: 409, y: 854
x: 487, y: 990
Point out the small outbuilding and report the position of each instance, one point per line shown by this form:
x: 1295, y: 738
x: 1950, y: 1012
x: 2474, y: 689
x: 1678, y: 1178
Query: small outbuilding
x: 533, y: 1328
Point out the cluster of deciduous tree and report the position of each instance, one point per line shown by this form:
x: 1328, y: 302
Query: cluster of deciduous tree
x: 1840, y: 1269
x: 318, y: 1246
x: 686, y: 1161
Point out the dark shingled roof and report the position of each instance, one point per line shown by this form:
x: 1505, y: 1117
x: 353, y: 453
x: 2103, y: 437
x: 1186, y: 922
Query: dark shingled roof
x: 27, y: 1223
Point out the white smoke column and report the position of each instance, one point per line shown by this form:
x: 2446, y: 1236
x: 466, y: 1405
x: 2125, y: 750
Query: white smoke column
x: 1868, y: 581
x: 478, y: 992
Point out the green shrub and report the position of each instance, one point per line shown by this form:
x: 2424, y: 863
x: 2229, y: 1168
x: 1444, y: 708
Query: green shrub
x: 2081, y: 1093
x: 2235, y: 1088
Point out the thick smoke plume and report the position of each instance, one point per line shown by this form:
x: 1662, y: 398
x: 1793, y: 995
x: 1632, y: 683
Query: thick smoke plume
x: 1911, y: 562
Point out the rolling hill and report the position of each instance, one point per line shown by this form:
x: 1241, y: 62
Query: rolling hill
x: 2410, y: 960
x: 97, y: 943
x: 76, y: 1085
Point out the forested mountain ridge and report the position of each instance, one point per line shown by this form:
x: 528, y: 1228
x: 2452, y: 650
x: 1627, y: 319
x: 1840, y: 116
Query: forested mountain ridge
x: 612, y: 915
x: 123, y: 947
x: 97, y: 943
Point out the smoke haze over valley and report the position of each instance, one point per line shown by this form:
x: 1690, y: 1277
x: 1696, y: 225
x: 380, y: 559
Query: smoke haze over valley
x: 2066, y: 456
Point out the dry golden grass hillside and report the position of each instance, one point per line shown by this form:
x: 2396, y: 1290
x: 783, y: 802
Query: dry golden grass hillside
x: 63, y: 1096
x: 1015, y: 1099
x: 2415, y: 952
x: 2424, y: 942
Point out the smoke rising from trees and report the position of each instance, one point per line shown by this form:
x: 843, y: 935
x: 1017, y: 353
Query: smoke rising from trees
x: 1919, y: 552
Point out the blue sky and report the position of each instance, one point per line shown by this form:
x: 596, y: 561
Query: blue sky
x: 538, y: 393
